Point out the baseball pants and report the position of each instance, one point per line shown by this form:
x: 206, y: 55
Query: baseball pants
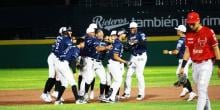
x: 137, y: 66
x: 65, y: 73
x: 202, y: 73
x: 116, y: 69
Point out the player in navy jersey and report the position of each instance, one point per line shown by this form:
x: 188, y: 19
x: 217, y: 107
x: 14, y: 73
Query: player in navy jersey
x: 98, y: 49
x: 179, y: 52
x: 65, y: 74
x: 116, y: 67
x: 52, y: 58
x: 137, y: 42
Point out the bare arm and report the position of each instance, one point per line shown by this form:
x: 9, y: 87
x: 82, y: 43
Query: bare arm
x: 186, y: 54
x: 173, y: 52
x: 117, y: 58
x: 217, y: 56
x: 103, y: 48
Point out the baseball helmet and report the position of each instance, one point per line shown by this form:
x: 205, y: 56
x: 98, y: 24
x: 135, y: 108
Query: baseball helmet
x: 93, y: 25
x: 133, y: 25
x: 181, y: 28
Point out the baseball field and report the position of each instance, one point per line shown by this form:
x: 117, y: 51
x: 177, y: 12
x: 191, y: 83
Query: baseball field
x: 20, y: 90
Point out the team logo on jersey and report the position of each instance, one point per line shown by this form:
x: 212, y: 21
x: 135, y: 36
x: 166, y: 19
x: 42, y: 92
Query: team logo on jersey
x: 110, y: 23
x: 202, y: 42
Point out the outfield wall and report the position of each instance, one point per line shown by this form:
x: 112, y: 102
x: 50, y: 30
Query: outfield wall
x: 35, y: 55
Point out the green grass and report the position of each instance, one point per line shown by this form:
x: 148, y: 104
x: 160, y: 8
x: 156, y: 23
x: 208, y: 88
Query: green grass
x: 18, y: 79
x: 179, y: 105
x: 164, y: 76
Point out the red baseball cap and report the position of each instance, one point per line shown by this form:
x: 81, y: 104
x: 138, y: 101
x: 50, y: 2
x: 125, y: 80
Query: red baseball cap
x: 192, y: 17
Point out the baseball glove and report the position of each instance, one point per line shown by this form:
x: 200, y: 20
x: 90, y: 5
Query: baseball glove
x: 182, y: 79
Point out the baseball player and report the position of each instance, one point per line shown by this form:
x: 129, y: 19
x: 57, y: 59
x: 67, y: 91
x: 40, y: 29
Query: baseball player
x: 136, y: 41
x: 202, y: 48
x: 52, y: 58
x: 65, y: 74
x: 110, y: 40
x: 116, y: 68
x: 179, y: 51
x: 98, y: 49
x: 87, y: 51
x: 82, y: 69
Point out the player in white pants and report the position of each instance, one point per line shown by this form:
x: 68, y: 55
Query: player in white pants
x: 179, y: 52
x: 136, y: 41
x: 116, y: 68
x: 51, y: 60
x: 65, y: 73
x: 202, y: 48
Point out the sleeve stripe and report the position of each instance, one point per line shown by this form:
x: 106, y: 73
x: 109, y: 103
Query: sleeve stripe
x: 214, y: 44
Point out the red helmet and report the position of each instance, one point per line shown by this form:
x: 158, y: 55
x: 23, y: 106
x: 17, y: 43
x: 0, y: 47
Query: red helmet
x: 192, y: 17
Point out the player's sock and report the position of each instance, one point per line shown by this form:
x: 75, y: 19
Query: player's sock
x: 92, y: 84
x: 118, y: 91
x: 188, y: 85
x: 49, y: 84
x: 87, y: 88
x: 102, y: 88
x: 109, y: 93
x: 74, y: 90
x: 57, y: 85
x: 60, y: 92
x: 107, y: 89
x: 79, y: 81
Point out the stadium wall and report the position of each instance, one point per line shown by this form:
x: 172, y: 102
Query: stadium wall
x: 35, y: 55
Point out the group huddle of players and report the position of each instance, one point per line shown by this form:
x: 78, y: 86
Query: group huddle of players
x: 88, y: 53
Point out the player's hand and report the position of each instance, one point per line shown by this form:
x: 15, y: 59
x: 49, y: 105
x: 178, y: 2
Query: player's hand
x: 128, y: 63
x: 109, y: 47
x: 165, y: 52
x: 181, y: 72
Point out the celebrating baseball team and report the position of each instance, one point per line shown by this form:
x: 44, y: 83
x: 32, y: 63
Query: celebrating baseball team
x: 197, y: 46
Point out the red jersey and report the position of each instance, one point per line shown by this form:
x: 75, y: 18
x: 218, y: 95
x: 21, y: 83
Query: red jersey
x: 200, y: 44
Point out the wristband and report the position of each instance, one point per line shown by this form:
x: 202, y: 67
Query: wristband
x: 170, y: 52
x: 183, y: 63
x: 218, y: 63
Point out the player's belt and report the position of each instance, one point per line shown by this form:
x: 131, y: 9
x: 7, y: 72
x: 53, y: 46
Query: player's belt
x: 138, y: 54
x: 95, y: 60
x: 200, y: 61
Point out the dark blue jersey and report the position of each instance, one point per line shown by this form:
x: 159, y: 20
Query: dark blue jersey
x: 71, y: 53
x: 117, y: 48
x: 181, y: 47
x: 62, y: 42
x: 95, y: 54
x: 53, y: 48
x: 87, y: 51
x: 140, y: 44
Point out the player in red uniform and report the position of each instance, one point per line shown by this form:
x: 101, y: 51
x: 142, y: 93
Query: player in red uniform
x: 202, y: 48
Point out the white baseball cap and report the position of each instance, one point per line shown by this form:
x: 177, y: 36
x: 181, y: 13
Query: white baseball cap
x: 133, y: 25
x: 89, y: 30
x: 113, y: 32
x: 93, y: 25
x: 181, y: 28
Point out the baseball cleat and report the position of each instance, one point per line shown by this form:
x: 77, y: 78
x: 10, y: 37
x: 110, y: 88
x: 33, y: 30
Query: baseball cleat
x: 140, y: 97
x: 59, y: 102
x: 55, y: 95
x: 124, y: 96
x: 108, y: 100
x: 192, y: 95
x: 101, y: 97
x: 79, y: 101
x: 91, y: 95
x: 45, y: 98
x: 184, y: 92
